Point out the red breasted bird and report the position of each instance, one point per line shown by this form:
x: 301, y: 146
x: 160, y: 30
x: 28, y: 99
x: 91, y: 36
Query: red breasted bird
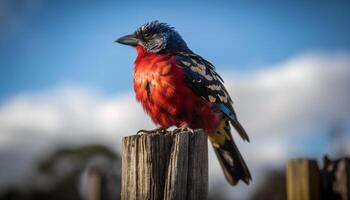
x: 177, y: 87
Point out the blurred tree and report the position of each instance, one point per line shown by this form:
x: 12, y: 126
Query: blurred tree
x: 272, y: 188
x: 61, y: 174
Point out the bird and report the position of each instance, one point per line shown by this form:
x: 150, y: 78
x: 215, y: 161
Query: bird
x: 177, y: 87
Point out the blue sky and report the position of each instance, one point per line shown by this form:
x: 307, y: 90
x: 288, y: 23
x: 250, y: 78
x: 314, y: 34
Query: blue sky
x: 46, y: 43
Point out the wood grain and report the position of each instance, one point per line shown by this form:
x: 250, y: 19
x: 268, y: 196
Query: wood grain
x: 165, y: 166
x: 303, y: 180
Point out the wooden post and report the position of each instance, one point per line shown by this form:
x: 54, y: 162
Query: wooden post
x: 341, y: 184
x: 336, y: 179
x: 165, y: 166
x: 303, y: 180
x: 94, y: 190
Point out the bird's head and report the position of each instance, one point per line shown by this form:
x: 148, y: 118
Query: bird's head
x: 156, y: 37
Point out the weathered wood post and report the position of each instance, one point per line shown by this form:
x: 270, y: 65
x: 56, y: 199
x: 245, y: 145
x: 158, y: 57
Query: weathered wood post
x: 165, y: 166
x: 341, y: 183
x: 336, y: 179
x: 303, y: 180
x: 94, y: 184
x: 306, y: 181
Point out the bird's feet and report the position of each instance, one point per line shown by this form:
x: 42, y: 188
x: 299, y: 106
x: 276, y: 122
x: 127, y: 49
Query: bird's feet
x: 157, y: 130
x: 183, y: 128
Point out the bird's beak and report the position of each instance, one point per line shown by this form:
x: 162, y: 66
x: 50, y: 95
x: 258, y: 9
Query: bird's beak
x: 128, y: 40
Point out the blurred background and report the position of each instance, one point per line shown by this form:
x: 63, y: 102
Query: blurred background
x: 66, y: 96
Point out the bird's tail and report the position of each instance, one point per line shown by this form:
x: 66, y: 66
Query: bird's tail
x: 228, y: 154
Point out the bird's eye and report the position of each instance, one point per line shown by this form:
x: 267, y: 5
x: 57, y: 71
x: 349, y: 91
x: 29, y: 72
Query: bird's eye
x: 146, y: 35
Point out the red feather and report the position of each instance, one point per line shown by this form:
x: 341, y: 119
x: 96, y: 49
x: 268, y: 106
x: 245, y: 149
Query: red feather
x: 160, y: 87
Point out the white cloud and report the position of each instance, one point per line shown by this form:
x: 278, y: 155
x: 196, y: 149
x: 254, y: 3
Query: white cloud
x: 273, y: 104
x: 68, y: 113
x: 297, y: 94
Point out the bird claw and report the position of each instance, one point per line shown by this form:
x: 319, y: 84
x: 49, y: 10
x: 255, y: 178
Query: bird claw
x: 184, y: 128
x: 157, y: 130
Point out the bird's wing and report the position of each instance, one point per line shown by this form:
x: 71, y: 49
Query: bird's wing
x: 201, y: 77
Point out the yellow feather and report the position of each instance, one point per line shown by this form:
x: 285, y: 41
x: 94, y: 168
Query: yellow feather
x: 220, y: 135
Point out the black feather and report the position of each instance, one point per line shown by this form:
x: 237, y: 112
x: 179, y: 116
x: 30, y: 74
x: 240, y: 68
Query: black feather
x: 201, y: 77
x: 232, y: 163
